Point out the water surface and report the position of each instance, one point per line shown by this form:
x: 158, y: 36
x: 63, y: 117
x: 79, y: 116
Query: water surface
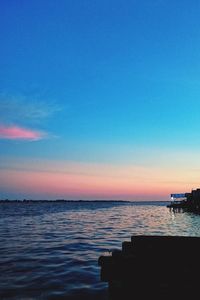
x: 50, y: 250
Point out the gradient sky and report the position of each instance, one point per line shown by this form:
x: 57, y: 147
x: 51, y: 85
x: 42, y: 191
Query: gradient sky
x: 99, y: 99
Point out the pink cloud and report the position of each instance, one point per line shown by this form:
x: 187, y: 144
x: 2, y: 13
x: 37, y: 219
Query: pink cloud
x: 19, y: 133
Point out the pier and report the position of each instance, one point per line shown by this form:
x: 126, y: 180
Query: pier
x: 157, y: 267
x: 187, y: 202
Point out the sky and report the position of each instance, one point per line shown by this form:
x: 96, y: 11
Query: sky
x: 99, y: 99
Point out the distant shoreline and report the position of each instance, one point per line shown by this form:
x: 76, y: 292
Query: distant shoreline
x: 78, y: 201
x: 61, y: 200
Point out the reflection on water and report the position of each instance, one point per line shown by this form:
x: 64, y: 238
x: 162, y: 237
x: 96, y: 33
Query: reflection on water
x: 50, y: 250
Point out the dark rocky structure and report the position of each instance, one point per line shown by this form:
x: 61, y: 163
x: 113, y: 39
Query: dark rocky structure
x: 153, y: 267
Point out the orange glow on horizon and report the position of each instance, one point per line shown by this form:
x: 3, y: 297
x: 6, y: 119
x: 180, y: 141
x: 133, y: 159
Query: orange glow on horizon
x: 66, y: 185
x: 79, y: 180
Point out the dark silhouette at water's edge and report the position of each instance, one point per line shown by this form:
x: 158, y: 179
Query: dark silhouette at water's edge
x: 189, y: 203
x: 157, y: 267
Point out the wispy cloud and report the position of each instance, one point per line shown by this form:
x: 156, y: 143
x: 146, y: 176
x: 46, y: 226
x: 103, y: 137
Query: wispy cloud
x: 19, y: 133
x: 20, y: 113
x: 14, y: 109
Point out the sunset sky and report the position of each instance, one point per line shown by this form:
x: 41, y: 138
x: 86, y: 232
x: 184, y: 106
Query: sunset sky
x: 99, y: 99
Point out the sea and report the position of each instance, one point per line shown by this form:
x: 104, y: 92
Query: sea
x: 50, y: 250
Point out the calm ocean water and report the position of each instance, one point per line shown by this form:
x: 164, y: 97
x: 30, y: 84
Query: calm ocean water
x: 50, y: 250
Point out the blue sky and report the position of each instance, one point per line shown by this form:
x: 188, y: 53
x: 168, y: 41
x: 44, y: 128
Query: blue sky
x: 113, y: 82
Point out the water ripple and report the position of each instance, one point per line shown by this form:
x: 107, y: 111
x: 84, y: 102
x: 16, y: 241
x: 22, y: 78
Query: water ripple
x: 50, y: 250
